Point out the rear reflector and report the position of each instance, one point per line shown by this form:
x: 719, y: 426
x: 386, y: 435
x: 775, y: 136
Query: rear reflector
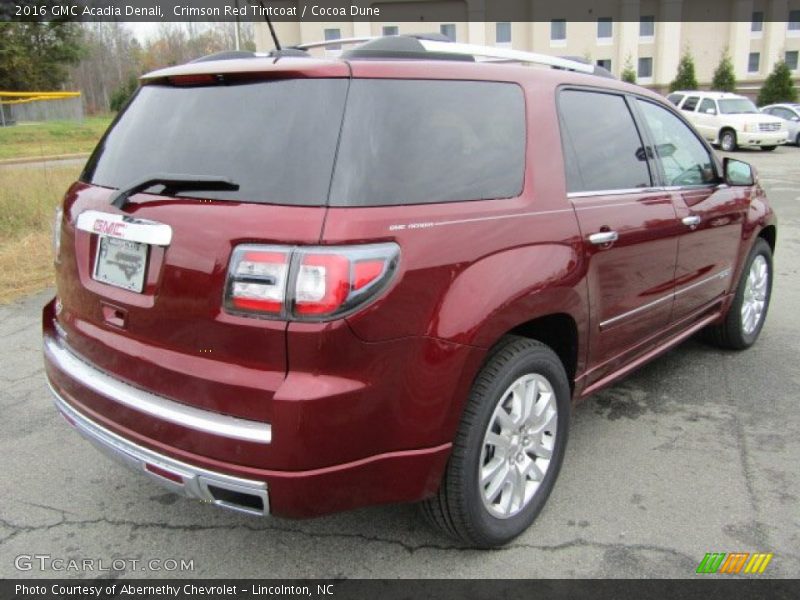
x: 156, y: 470
x: 307, y: 283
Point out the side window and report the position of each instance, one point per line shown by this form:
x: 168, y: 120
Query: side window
x: 691, y: 103
x: 603, y: 150
x: 708, y: 105
x: 783, y: 113
x: 683, y: 157
x: 675, y: 98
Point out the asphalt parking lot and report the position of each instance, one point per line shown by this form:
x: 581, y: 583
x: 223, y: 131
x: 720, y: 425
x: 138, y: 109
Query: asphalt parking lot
x: 696, y: 452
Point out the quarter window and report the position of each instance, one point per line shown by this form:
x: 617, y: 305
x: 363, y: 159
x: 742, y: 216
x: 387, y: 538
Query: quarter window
x: 675, y: 98
x: 683, y: 158
x: 603, y: 150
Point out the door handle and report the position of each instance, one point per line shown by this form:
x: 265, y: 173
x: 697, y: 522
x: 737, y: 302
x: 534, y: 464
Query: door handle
x: 603, y: 237
x: 691, y: 221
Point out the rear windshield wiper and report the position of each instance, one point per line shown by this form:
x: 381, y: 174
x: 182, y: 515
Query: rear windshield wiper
x: 174, y: 182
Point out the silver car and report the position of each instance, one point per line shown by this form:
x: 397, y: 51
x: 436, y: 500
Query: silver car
x: 789, y: 113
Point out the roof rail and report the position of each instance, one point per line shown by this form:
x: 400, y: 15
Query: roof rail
x: 440, y: 47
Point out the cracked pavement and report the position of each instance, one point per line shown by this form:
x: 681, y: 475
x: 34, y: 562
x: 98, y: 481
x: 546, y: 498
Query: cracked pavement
x: 696, y: 452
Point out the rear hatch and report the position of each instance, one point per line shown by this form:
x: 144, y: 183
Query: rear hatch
x: 148, y: 306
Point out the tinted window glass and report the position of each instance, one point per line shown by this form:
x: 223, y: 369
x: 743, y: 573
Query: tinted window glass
x: 683, y: 157
x: 603, y: 148
x: 276, y: 139
x: 675, y: 98
x: 691, y: 103
x: 413, y: 142
x: 707, y: 104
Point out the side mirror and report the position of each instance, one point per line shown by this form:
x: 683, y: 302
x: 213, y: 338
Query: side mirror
x: 711, y: 111
x: 738, y: 172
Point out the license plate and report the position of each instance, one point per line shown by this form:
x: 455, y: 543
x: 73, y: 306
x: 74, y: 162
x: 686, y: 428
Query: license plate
x: 121, y: 263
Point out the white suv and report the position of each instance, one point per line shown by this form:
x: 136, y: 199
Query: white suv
x: 730, y: 120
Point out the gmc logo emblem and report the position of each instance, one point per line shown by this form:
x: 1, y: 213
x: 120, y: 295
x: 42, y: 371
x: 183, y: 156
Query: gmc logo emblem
x: 109, y: 228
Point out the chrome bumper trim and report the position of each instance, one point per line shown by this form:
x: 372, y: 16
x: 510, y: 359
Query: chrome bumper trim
x: 196, y: 481
x: 155, y: 406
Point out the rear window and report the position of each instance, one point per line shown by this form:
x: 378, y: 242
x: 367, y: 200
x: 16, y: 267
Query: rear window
x: 277, y: 139
x: 415, y: 142
x: 402, y: 141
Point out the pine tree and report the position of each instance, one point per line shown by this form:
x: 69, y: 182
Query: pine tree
x: 629, y: 73
x: 685, y: 79
x: 778, y: 87
x: 724, y: 77
x: 35, y: 56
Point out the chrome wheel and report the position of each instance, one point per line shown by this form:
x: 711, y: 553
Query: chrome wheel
x: 755, y: 294
x: 728, y: 141
x: 518, y: 445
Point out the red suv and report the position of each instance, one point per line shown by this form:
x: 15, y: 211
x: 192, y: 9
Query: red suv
x: 297, y: 286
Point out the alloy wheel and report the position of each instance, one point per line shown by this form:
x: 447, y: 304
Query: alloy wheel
x: 755, y: 294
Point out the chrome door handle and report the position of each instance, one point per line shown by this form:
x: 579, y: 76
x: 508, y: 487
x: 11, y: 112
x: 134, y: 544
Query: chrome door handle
x: 604, y: 237
x: 691, y: 221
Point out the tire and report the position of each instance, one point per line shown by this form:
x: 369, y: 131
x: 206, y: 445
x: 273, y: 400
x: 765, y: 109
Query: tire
x: 742, y: 325
x: 768, y: 148
x: 797, y: 140
x: 727, y: 140
x: 469, y: 510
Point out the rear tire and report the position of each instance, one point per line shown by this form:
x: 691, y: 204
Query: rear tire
x: 508, y: 449
x: 727, y: 140
x: 797, y: 140
x: 748, y: 311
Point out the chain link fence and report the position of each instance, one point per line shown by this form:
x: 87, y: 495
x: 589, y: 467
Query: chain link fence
x: 17, y: 107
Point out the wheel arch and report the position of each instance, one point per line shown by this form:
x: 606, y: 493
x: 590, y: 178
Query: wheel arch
x: 769, y: 234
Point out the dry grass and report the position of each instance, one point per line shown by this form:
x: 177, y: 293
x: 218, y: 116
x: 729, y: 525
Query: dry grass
x: 28, y: 199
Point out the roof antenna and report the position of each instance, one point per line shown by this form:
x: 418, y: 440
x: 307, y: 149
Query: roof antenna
x: 271, y: 28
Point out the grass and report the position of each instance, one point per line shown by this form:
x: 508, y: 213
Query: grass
x: 28, y: 199
x: 33, y: 140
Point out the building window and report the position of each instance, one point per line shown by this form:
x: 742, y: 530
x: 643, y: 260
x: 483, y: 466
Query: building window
x: 448, y: 30
x: 558, y: 30
x: 333, y: 34
x: 791, y: 60
x: 753, y: 62
x: 647, y: 27
x: 757, y: 23
x: 645, y: 70
x: 605, y: 28
x: 502, y: 33
x: 794, y: 20
x: 605, y: 63
x: 390, y: 30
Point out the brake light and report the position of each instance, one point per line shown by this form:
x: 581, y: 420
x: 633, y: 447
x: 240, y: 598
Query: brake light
x: 307, y: 283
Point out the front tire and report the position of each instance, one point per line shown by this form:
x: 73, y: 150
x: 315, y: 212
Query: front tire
x: 727, y: 140
x: 508, y: 449
x: 748, y: 311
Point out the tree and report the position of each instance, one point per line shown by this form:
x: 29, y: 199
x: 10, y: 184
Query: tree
x: 778, y: 87
x: 36, y: 56
x: 629, y: 73
x: 685, y: 78
x: 724, y: 77
x: 123, y: 93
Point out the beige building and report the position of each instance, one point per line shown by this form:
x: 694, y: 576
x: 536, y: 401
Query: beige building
x: 650, y: 35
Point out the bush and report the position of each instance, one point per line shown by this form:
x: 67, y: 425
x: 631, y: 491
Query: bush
x: 724, y: 77
x: 685, y: 79
x: 628, y: 73
x: 778, y: 87
x: 123, y: 93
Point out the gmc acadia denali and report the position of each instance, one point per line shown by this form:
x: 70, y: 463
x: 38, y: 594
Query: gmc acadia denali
x: 294, y: 286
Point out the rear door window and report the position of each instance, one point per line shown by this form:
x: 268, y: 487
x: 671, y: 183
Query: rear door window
x: 602, y: 147
x: 276, y: 139
x: 419, y: 142
x: 690, y: 103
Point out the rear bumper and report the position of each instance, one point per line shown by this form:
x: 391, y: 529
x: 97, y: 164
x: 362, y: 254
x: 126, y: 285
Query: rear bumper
x: 242, y: 495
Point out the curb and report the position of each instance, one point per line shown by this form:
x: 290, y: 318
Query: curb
x: 38, y: 159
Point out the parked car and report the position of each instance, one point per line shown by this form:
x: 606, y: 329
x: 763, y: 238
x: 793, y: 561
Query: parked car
x: 790, y: 114
x: 295, y: 286
x: 729, y: 120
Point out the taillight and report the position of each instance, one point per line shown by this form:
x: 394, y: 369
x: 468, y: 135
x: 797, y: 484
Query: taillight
x: 307, y: 283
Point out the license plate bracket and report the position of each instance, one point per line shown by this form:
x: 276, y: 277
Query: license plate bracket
x: 121, y: 263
